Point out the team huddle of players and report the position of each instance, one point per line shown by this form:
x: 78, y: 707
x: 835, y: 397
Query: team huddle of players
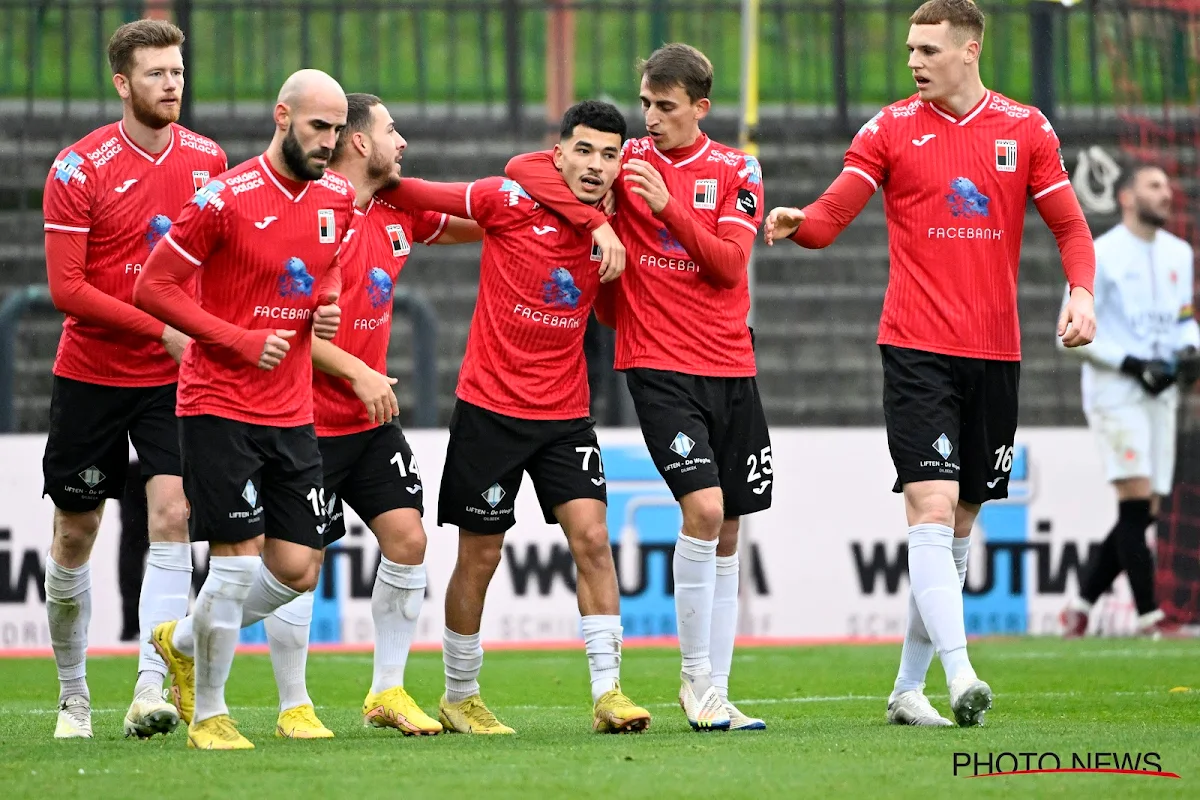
x: 200, y: 298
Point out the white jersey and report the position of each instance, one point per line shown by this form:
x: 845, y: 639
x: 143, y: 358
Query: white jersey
x: 1143, y: 309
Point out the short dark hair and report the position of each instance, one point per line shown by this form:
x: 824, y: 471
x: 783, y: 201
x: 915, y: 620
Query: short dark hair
x: 132, y: 36
x: 679, y: 65
x: 963, y: 15
x: 1130, y: 171
x: 595, y: 114
x: 358, y: 120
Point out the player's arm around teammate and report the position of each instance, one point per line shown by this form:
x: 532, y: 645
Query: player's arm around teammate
x: 522, y: 407
x: 689, y: 209
x: 367, y: 462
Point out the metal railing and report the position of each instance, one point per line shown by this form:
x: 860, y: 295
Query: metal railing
x: 412, y: 304
x: 487, y: 59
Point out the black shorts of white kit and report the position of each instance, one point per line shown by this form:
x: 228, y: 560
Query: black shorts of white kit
x: 951, y: 418
x: 372, y: 471
x: 91, y: 426
x: 487, y: 454
x: 704, y: 432
x: 244, y: 480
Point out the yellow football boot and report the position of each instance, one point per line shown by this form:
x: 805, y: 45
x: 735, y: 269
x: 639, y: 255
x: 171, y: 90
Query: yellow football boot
x: 300, y: 722
x: 181, y: 667
x: 469, y: 716
x: 394, y: 708
x: 616, y: 713
x: 217, y: 733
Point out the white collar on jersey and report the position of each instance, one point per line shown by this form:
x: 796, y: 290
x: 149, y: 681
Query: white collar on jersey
x: 987, y: 98
x: 703, y: 149
x: 155, y: 161
x: 295, y: 198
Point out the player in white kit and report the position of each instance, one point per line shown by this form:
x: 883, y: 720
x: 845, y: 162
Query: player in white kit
x: 1145, y: 347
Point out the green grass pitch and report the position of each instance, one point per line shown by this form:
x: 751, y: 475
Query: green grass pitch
x: 824, y: 706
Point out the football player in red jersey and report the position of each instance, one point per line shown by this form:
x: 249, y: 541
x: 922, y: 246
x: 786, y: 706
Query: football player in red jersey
x: 267, y: 234
x: 957, y: 163
x: 109, y: 199
x: 688, y: 209
x: 366, y: 459
x: 523, y: 406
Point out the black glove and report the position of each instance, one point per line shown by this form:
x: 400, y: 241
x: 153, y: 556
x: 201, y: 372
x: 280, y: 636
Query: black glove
x: 1154, y: 375
x: 1188, y: 369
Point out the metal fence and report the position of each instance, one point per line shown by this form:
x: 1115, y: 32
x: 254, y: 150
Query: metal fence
x: 490, y: 57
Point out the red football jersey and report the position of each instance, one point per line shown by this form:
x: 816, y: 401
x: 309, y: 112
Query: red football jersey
x: 538, y: 278
x: 667, y: 316
x: 954, y: 191
x: 123, y: 199
x: 371, y: 260
x: 266, y: 245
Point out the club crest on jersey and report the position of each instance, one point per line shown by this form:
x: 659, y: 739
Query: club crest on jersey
x: 379, y: 287
x: 706, y: 195
x: 199, y: 178
x: 326, y: 232
x: 295, y: 280
x: 400, y: 245
x: 1006, y: 155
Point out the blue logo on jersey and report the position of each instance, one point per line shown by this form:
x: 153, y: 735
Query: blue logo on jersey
x: 752, y: 171
x: 159, y: 225
x: 965, y: 200
x: 68, y: 168
x: 210, y: 193
x: 513, y: 188
x: 669, y: 243
x: 379, y: 287
x: 560, y: 291
x: 295, y: 280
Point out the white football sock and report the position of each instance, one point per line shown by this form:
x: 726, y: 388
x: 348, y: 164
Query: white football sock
x: 695, y: 566
x: 602, y: 641
x: 462, y: 655
x: 396, y: 603
x: 961, y: 548
x: 68, y: 611
x: 917, y: 653
x: 266, y: 595
x: 215, y: 627
x: 724, y: 622
x: 165, y: 590
x: 938, y: 595
x: 182, y: 639
x: 287, y: 636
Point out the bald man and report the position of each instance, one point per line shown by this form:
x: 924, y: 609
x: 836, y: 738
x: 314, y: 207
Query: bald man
x: 267, y: 233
